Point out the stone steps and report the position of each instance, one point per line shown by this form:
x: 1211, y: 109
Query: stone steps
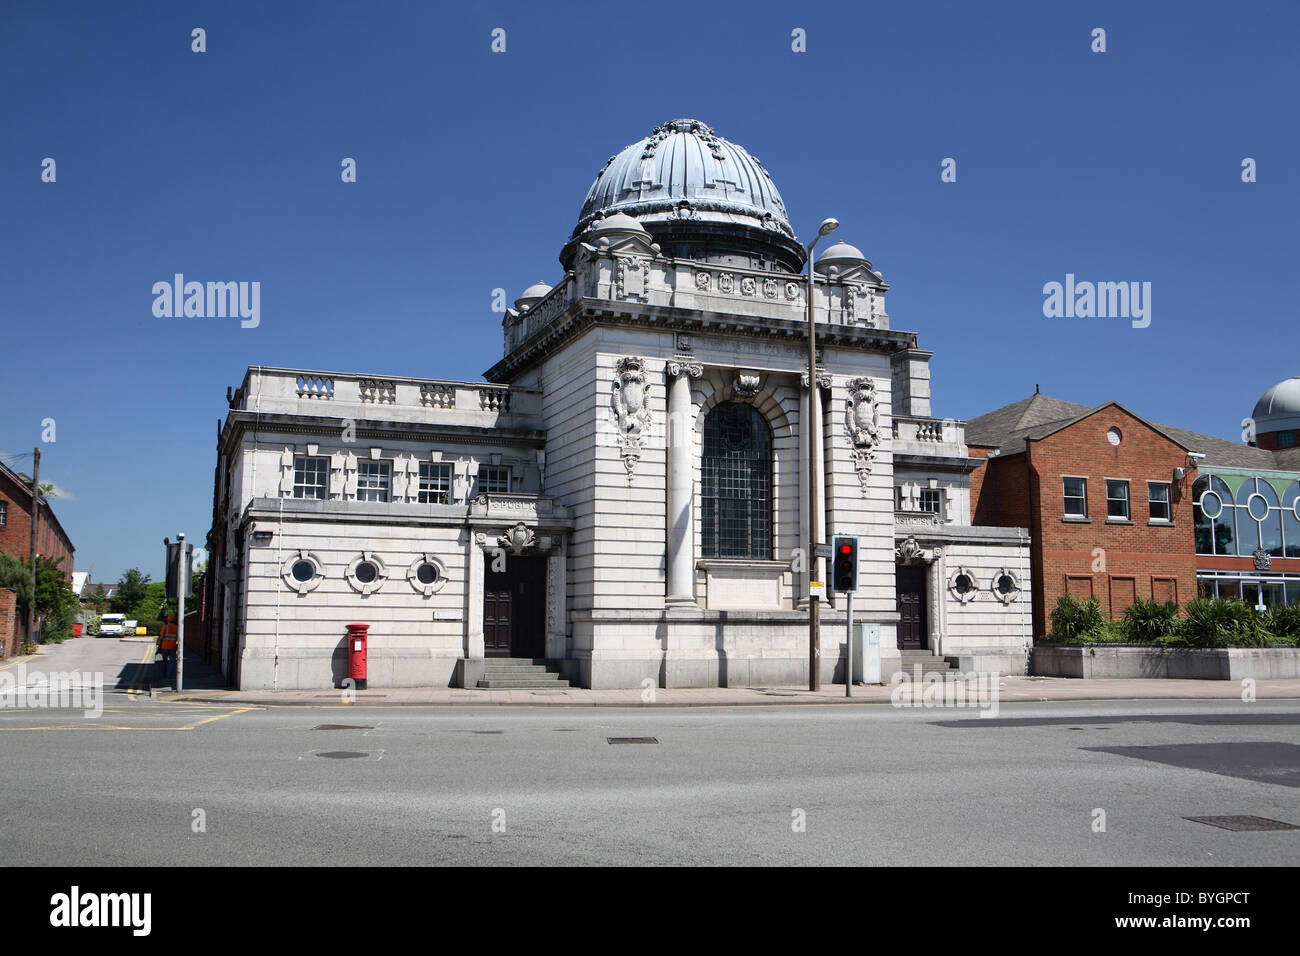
x: 929, y: 662
x: 519, y: 672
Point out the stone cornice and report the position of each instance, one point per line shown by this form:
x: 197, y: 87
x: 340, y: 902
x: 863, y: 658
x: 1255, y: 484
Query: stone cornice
x: 586, y: 312
x: 314, y: 426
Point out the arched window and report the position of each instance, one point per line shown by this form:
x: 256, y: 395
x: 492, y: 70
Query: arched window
x: 736, y: 493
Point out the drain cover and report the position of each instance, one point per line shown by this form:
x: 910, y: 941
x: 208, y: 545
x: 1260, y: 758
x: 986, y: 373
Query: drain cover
x: 1243, y: 823
x: 633, y: 740
x: 343, y: 727
x: 343, y: 754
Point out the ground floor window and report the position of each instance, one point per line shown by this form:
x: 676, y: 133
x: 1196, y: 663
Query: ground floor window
x: 1276, y: 588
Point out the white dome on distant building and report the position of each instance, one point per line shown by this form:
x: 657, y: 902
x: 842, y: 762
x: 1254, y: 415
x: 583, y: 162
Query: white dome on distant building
x: 695, y: 193
x: 1279, y: 408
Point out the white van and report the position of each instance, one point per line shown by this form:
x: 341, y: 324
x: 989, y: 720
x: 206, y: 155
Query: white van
x: 112, y: 625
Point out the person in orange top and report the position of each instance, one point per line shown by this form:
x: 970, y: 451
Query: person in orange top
x: 167, y: 646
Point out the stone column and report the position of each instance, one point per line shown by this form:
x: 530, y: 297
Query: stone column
x: 823, y: 499
x: 557, y: 616
x: 474, y: 559
x: 681, y: 491
x: 801, y: 584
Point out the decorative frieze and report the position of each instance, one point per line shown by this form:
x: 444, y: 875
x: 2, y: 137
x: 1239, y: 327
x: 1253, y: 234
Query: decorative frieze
x: 746, y: 386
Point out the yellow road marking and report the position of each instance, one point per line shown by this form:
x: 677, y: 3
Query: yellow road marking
x: 14, y: 663
x: 89, y: 724
x: 141, y: 669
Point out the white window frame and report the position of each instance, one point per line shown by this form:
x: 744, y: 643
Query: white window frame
x: 1128, y: 500
x: 938, y: 492
x: 482, y: 478
x: 300, y: 487
x: 1168, y: 502
x: 1066, y: 499
x: 385, y: 473
x: 445, y: 471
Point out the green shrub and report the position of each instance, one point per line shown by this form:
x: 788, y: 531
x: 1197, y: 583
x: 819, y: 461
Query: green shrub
x: 1148, y: 620
x: 92, y: 625
x: 1223, y: 622
x: 1074, y: 620
x: 1284, y: 621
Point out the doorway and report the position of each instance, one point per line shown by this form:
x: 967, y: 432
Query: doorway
x: 514, y: 607
x: 910, y: 590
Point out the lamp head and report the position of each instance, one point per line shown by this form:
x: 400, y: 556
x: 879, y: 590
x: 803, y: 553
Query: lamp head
x: 828, y: 226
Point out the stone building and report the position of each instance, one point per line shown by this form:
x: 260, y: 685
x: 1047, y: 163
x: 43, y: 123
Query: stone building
x: 624, y: 496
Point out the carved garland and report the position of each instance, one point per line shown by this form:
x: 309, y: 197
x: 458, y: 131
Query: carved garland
x: 862, y: 423
x: 630, y: 409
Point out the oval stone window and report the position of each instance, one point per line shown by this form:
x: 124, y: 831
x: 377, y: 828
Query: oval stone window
x: 365, y: 572
x: 1006, y: 584
x: 426, y: 573
x: 303, y: 571
x: 964, y: 584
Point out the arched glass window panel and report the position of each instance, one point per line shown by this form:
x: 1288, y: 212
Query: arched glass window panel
x: 1265, y: 502
x: 1204, y: 537
x: 736, y: 483
x: 1218, y: 513
x: 1291, y: 522
x: 1247, y: 526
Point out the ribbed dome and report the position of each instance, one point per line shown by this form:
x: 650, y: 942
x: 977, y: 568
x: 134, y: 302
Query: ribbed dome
x: 1279, y: 408
x: 694, y: 192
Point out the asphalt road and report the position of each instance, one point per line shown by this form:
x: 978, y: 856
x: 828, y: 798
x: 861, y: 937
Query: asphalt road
x: 872, y: 785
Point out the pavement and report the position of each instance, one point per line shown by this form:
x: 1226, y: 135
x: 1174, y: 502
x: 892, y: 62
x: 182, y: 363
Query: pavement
x: 127, y: 665
x: 1031, y: 689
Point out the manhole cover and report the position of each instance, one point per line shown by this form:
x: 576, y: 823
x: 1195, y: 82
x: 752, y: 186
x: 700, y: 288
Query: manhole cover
x: 633, y: 740
x: 343, y: 727
x: 343, y: 754
x: 1243, y: 822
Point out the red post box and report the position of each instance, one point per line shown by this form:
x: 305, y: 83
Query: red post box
x: 357, y: 638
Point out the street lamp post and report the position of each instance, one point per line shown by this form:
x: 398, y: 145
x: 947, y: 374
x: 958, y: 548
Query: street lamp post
x: 811, y: 428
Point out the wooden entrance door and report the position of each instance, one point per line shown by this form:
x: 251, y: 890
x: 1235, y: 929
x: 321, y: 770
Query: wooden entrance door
x: 910, y: 589
x: 498, y: 616
x: 514, y: 608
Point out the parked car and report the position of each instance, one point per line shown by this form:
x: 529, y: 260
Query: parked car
x: 113, y: 625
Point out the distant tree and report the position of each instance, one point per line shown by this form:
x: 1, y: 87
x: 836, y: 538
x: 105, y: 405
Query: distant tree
x: 130, y: 591
x: 98, y: 598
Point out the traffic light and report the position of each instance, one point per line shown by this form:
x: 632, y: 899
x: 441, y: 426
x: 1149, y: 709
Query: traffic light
x: 844, y: 564
x: 174, y: 558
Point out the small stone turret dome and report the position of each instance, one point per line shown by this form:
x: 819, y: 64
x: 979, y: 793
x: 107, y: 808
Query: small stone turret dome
x: 842, y: 256
x: 531, y: 296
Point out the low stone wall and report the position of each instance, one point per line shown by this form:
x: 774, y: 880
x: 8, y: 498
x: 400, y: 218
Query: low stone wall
x: 1093, y: 661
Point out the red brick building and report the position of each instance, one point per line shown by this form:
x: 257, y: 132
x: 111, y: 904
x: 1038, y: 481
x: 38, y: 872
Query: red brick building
x: 15, y: 538
x: 1113, y: 501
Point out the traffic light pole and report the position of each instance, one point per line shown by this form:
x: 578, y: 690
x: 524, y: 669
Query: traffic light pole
x: 182, y: 585
x: 848, y: 667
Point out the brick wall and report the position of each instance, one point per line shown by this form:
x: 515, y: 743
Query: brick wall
x: 11, y: 628
x: 15, y: 536
x: 1120, y: 560
x: 1116, y: 562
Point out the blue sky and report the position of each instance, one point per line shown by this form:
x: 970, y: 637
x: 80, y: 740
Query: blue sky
x: 472, y: 166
